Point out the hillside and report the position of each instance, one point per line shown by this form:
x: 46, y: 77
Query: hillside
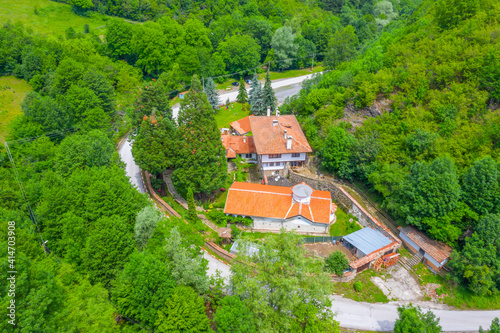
x: 426, y: 138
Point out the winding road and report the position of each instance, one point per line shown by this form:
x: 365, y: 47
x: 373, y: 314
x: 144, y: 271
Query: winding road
x: 350, y: 314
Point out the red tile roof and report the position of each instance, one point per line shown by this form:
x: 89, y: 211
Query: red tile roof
x: 372, y: 256
x: 270, y: 139
x: 235, y: 144
x: 437, y: 250
x: 242, y: 126
x: 257, y: 200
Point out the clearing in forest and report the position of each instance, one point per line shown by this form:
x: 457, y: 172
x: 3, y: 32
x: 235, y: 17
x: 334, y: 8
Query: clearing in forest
x: 50, y: 18
x: 12, y: 92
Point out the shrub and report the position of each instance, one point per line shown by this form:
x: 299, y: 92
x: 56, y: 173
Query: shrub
x: 358, y: 286
x: 336, y: 263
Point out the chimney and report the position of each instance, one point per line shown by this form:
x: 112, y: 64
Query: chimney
x: 275, y: 122
x: 284, y: 134
x: 269, y: 111
x: 289, y: 143
x: 277, y: 112
x: 244, y: 139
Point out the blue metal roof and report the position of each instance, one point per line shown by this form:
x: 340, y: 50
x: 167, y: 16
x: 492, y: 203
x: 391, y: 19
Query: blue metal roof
x: 367, y: 240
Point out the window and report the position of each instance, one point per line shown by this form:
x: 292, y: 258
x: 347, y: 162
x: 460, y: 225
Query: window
x: 248, y: 155
x: 295, y: 154
x: 274, y: 155
x: 271, y: 164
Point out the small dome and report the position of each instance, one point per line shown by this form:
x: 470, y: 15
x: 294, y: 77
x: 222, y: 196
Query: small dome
x: 302, y: 193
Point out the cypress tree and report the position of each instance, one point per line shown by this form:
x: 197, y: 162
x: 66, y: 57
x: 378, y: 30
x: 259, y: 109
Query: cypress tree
x: 212, y: 95
x: 192, y: 216
x: 268, y: 92
x: 242, y: 92
x: 201, y: 158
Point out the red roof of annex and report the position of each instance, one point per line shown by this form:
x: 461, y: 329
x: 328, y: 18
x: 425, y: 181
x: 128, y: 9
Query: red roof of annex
x: 236, y: 144
x: 269, y: 201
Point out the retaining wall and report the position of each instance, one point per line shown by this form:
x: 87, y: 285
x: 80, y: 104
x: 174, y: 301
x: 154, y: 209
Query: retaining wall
x: 340, y: 196
x: 348, y: 276
x: 156, y: 197
x: 228, y: 256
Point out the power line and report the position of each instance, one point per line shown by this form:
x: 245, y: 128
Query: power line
x: 23, y: 192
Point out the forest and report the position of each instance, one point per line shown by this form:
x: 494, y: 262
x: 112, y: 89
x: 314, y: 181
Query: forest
x: 427, y: 94
x: 111, y: 262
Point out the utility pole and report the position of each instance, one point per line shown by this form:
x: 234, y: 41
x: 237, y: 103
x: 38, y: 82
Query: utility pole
x: 312, y: 66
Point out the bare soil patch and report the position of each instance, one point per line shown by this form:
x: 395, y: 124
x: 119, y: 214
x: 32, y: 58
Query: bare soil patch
x: 324, y: 249
x: 399, y: 285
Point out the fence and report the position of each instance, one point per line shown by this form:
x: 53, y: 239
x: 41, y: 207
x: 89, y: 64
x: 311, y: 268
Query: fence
x: 324, y: 239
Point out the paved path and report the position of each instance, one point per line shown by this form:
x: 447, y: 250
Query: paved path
x: 131, y: 168
x: 284, y: 88
x: 381, y: 317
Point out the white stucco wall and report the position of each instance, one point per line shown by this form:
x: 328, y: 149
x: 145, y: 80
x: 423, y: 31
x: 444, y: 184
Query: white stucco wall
x: 298, y: 224
x: 284, y: 158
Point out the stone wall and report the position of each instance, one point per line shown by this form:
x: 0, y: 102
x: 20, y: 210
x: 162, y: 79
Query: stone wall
x: 165, y: 207
x: 348, y: 276
x: 345, y: 200
x: 228, y: 256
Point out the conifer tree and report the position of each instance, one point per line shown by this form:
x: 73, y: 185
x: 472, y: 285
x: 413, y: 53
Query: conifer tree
x: 154, y: 145
x: 201, y: 158
x: 212, y: 95
x: 192, y: 216
x: 254, y: 87
x: 242, y: 92
x: 152, y: 96
x: 268, y: 92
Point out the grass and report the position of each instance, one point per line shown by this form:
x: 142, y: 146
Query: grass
x: 342, y: 226
x: 457, y: 296
x: 369, y: 292
x: 234, y: 112
x: 53, y: 18
x: 12, y: 92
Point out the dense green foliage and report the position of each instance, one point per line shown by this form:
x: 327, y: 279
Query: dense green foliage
x: 413, y: 320
x: 414, y: 118
x: 283, y: 289
x: 233, y: 316
x: 336, y: 263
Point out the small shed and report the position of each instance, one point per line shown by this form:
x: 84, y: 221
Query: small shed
x: 225, y: 235
x: 435, y: 254
x: 365, y: 241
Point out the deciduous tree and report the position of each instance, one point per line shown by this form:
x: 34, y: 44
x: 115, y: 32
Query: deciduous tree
x: 233, y: 316
x: 413, y: 320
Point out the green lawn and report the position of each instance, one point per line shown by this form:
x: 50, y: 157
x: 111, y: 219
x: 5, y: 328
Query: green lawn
x: 53, y: 18
x: 342, y: 226
x: 234, y: 112
x: 369, y: 291
x: 12, y: 92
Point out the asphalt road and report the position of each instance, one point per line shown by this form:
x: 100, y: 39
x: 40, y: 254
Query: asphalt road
x: 283, y: 89
x: 132, y: 169
x: 381, y: 317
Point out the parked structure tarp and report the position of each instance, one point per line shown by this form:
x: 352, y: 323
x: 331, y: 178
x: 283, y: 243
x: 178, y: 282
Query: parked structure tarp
x: 367, y: 240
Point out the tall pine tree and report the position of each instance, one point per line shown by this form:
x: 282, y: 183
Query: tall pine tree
x: 212, y: 95
x: 242, y: 92
x: 201, y: 158
x: 256, y: 98
x: 268, y: 92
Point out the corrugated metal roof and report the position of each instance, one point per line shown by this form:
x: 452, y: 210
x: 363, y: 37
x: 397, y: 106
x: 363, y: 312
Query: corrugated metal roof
x: 367, y: 240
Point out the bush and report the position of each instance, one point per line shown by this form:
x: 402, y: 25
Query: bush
x: 336, y: 263
x: 218, y: 217
x: 358, y: 286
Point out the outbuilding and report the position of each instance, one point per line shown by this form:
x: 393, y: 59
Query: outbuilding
x: 434, y: 254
